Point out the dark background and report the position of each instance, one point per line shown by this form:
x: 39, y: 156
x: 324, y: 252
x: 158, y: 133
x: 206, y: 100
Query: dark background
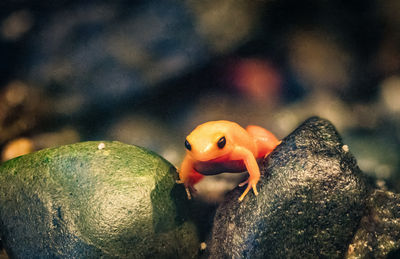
x: 148, y: 72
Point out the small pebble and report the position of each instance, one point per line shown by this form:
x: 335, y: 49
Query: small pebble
x: 345, y: 148
x: 101, y: 146
x: 203, y: 246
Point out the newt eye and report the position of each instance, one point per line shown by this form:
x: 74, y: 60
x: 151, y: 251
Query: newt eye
x: 187, y: 145
x: 221, y: 142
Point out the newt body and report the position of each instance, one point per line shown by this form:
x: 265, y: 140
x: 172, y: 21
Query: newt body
x: 224, y: 146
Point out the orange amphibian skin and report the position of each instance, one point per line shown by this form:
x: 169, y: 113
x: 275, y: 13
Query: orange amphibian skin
x: 224, y: 146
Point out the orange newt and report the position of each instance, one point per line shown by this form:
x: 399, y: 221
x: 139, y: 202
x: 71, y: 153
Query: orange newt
x: 224, y: 146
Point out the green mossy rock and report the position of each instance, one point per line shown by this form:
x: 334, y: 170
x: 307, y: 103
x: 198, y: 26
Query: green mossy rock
x: 82, y: 201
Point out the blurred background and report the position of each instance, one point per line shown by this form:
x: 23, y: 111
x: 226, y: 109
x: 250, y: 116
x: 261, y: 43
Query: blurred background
x: 147, y: 72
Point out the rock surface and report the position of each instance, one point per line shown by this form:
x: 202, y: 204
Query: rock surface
x: 92, y: 200
x: 379, y: 233
x: 312, y: 196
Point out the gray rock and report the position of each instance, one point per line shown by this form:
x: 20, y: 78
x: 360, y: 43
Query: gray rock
x: 99, y: 54
x: 312, y: 196
x: 379, y: 233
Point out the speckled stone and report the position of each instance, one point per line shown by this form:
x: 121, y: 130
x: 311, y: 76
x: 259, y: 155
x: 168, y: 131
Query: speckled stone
x: 312, y: 196
x: 89, y: 200
x: 379, y: 233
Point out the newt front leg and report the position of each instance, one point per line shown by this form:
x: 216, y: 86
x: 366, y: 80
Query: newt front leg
x: 188, y: 175
x: 253, y: 169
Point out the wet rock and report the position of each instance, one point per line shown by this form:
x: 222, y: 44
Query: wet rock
x: 319, y: 62
x: 116, y: 52
x: 20, y: 107
x: 225, y: 24
x: 92, y: 200
x: 312, y: 196
x: 379, y: 233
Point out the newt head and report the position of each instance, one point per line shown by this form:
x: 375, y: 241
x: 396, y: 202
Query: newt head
x: 210, y: 141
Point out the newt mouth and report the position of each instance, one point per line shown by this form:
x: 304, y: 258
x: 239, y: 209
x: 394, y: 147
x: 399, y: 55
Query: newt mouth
x: 213, y: 167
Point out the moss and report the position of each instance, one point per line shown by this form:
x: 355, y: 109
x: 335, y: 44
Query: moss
x: 78, y: 200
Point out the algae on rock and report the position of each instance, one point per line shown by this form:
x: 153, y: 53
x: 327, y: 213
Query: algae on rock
x: 86, y: 200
